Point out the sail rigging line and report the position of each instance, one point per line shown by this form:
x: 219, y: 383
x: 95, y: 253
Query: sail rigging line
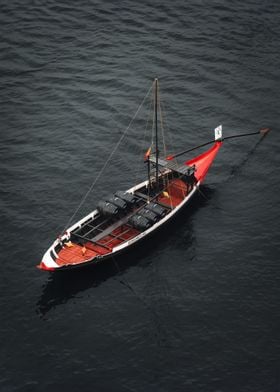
x: 152, y: 140
x: 107, y: 161
x: 150, y: 116
x: 161, y: 110
x: 165, y: 179
x: 153, y: 117
x: 169, y: 133
x: 161, y: 121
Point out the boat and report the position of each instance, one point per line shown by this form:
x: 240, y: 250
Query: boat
x: 129, y: 216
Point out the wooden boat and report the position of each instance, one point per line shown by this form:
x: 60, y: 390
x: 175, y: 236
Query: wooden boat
x: 127, y: 217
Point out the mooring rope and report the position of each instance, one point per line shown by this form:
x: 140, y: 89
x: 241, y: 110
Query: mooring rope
x: 106, y: 162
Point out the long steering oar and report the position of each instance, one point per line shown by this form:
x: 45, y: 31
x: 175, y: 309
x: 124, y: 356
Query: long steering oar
x: 262, y: 131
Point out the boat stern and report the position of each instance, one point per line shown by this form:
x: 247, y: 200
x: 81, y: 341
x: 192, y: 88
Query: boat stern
x: 48, y: 263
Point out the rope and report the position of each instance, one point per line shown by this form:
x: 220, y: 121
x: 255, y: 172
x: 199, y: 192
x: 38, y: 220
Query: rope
x: 143, y: 143
x: 169, y: 133
x: 165, y: 181
x: 153, y: 124
x: 125, y: 282
x: 106, y: 163
x: 161, y: 122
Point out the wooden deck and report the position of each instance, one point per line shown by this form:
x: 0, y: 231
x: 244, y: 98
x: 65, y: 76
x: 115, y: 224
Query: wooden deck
x: 92, y: 240
x: 73, y: 253
x: 175, y: 193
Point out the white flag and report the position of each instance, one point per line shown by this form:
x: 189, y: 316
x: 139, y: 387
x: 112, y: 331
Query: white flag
x: 218, y: 132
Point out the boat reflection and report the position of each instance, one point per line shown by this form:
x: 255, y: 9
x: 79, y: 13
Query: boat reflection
x: 63, y: 286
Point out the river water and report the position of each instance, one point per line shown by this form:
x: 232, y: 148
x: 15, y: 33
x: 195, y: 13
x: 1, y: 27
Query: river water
x: 197, y: 308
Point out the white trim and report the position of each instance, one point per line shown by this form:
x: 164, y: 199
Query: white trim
x: 48, y: 261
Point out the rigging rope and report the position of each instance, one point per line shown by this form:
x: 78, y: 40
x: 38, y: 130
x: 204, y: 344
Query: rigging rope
x: 143, y: 144
x: 161, y: 122
x: 168, y: 133
x: 106, y: 163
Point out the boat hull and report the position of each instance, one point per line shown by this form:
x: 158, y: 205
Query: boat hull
x: 129, y: 246
x: 118, y: 237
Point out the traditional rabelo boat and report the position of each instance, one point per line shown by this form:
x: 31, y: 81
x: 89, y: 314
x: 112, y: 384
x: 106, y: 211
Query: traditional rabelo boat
x: 128, y: 217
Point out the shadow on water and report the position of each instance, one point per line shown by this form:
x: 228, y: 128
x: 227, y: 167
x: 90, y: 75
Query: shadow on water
x: 62, y: 286
x: 237, y: 168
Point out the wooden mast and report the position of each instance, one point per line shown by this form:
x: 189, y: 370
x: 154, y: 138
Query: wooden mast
x: 157, y: 150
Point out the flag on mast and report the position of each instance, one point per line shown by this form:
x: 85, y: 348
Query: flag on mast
x: 148, y: 153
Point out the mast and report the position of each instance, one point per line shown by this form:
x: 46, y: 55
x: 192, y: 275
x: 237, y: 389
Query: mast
x: 157, y: 150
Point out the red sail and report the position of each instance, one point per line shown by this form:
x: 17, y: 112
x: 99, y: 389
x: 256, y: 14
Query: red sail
x: 204, y: 161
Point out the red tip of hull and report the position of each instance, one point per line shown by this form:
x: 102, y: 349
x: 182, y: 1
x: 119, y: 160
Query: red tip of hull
x: 203, y: 161
x: 42, y: 266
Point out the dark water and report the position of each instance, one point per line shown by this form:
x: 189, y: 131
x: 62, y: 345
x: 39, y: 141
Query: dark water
x: 195, y: 310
